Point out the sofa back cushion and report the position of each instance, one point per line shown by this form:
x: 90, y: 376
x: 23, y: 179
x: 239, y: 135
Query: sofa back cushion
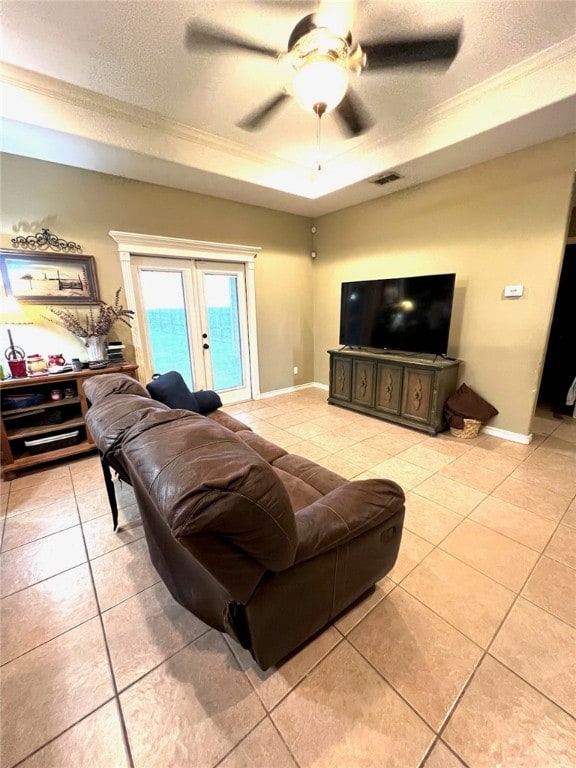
x: 108, y: 419
x: 98, y: 387
x: 117, y: 403
x: 204, y: 480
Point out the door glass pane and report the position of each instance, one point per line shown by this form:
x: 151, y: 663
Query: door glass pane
x: 165, y: 311
x: 221, y: 297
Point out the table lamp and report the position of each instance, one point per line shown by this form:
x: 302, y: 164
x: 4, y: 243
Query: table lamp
x: 11, y: 313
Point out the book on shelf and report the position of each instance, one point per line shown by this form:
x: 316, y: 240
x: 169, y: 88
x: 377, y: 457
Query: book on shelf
x: 115, y: 351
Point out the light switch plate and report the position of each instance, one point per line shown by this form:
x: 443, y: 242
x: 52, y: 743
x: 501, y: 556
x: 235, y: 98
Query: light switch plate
x: 513, y: 290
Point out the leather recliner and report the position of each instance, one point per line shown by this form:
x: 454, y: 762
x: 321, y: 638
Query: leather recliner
x: 266, y: 546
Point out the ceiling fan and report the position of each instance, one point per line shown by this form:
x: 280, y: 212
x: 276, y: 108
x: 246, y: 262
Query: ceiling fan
x: 320, y: 58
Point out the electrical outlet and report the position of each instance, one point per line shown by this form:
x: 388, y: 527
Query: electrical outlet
x: 295, y: 370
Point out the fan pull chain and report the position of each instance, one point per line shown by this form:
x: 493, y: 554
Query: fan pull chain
x: 319, y: 109
x: 318, y: 158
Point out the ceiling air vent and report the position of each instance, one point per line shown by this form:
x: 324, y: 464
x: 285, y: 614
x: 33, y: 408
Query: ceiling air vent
x: 386, y: 178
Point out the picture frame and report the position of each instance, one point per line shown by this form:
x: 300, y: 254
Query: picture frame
x: 49, y: 278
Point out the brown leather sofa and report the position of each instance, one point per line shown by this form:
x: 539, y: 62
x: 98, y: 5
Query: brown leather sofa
x: 264, y: 545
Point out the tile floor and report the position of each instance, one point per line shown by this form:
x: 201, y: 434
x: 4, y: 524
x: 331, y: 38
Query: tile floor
x: 462, y: 656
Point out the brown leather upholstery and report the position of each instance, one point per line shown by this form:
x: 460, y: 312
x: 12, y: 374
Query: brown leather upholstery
x: 264, y: 545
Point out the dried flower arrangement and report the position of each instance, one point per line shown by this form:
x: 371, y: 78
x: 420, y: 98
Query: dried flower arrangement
x: 93, y: 323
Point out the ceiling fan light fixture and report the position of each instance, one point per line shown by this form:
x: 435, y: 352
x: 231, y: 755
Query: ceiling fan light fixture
x: 320, y: 81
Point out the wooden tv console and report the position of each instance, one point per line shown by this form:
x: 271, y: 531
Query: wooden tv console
x: 405, y: 389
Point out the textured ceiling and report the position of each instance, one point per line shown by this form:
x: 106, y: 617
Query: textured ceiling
x: 111, y: 86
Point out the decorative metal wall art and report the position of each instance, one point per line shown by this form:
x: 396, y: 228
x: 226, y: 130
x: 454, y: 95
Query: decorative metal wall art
x: 46, y: 239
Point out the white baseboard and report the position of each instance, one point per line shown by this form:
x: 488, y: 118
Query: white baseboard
x: 287, y: 390
x: 504, y: 434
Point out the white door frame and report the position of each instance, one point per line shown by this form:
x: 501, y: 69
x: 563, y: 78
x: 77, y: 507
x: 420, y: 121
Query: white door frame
x: 135, y: 244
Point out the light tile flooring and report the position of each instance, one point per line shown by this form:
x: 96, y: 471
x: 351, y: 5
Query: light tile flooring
x: 462, y: 656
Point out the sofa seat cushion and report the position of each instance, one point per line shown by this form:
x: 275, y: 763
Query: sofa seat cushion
x: 302, y: 479
x: 319, y: 478
x: 204, y: 480
x: 301, y: 494
x: 263, y: 447
x: 223, y: 418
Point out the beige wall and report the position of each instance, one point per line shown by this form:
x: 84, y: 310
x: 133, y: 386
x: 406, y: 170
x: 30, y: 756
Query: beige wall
x: 503, y: 222
x: 84, y: 206
x: 499, y: 223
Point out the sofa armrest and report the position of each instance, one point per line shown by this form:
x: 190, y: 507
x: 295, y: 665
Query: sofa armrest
x: 345, y: 513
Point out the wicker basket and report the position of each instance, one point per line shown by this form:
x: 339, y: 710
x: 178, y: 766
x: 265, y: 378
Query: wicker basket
x: 471, y: 429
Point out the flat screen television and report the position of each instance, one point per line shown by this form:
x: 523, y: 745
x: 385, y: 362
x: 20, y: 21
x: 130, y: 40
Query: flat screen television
x: 405, y: 314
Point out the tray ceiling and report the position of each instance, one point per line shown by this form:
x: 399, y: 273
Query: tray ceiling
x: 110, y: 86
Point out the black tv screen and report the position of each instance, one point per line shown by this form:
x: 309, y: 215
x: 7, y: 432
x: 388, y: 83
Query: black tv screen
x: 406, y: 314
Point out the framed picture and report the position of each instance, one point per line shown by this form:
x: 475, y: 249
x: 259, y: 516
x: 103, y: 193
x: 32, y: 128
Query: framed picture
x: 49, y: 278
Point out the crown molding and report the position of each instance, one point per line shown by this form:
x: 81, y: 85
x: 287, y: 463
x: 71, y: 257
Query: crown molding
x: 108, y: 106
x: 543, y: 79
x: 538, y: 64
x: 508, y: 94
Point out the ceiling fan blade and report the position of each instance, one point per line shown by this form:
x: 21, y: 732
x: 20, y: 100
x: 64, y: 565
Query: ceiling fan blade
x: 201, y: 33
x: 353, y: 114
x: 398, y: 53
x: 262, y: 114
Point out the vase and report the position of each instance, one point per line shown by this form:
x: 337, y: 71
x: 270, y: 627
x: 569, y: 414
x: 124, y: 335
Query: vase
x: 96, y: 346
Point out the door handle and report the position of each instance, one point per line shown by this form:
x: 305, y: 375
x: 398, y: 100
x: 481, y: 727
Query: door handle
x: 205, y: 346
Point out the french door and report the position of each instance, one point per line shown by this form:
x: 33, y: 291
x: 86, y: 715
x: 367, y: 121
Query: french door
x: 192, y: 317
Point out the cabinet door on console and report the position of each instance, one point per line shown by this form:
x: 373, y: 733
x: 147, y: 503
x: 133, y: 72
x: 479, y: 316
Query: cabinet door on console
x: 389, y: 388
x: 363, y: 378
x: 341, y: 378
x: 418, y: 392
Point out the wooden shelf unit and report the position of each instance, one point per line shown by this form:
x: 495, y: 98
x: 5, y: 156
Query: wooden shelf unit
x: 404, y: 389
x: 33, y: 421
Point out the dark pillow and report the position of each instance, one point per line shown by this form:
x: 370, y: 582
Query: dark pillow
x: 208, y: 400
x: 171, y: 389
